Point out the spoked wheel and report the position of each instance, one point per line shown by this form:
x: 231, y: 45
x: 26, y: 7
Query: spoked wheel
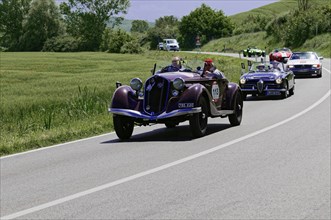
x: 235, y: 119
x: 123, y: 126
x: 199, y: 121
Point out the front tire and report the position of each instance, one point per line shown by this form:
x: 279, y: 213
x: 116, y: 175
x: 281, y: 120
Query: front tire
x: 123, y: 126
x: 291, y: 91
x: 235, y: 119
x: 284, y: 94
x: 199, y: 121
x: 171, y: 124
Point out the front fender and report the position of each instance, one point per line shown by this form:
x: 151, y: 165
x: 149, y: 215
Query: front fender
x: 124, y: 97
x: 192, y: 94
x: 188, y: 99
x: 231, y: 91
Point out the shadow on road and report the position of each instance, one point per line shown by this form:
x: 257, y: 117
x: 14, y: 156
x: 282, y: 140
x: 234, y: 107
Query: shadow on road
x: 179, y: 133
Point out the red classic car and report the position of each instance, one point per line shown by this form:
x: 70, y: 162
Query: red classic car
x: 280, y: 55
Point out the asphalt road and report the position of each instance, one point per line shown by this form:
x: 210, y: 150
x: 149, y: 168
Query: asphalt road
x: 276, y: 165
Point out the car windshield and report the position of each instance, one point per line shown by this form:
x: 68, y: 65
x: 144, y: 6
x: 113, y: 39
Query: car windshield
x: 266, y: 67
x: 171, y: 41
x: 193, y: 65
x: 308, y: 56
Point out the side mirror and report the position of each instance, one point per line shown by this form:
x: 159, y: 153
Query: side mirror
x: 249, y: 64
x: 242, y: 68
x: 321, y: 58
x: 118, y: 84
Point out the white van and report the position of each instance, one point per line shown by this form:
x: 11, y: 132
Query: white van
x: 170, y: 44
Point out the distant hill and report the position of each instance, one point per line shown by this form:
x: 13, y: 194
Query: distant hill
x: 127, y: 24
x: 320, y: 43
x: 274, y: 9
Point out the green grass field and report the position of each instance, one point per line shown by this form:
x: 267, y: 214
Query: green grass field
x: 50, y: 98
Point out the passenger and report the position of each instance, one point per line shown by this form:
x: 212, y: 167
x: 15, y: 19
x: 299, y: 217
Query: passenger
x: 210, y: 68
x: 275, y: 66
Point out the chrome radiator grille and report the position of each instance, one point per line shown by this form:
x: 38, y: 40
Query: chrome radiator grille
x: 156, y: 95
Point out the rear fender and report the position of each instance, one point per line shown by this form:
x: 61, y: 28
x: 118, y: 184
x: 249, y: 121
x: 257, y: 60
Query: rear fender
x: 231, y: 91
x: 124, y: 97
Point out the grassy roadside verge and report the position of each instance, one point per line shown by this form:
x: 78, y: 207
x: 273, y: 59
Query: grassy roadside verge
x: 51, y: 98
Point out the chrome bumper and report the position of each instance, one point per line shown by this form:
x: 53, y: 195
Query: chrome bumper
x: 137, y: 114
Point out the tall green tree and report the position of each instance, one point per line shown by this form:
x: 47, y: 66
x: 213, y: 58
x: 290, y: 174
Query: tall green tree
x: 87, y: 19
x: 42, y: 22
x: 139, y: 26
x: 165, y: 27
x: 12, y: 14
x: 207, y: 23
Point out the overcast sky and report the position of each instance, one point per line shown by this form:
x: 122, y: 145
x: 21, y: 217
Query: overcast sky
x: 151, y: 10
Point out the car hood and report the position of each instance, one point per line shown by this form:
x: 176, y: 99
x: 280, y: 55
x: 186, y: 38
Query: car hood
x: 302, y: 62
x: 259, y: 75
x: 184, y: 75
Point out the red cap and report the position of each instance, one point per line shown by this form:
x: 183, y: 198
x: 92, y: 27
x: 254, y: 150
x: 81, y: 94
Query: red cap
x: 208, y: 60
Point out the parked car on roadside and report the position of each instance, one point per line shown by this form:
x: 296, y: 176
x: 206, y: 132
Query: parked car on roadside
x: 305, y: 64
x: 173, y: 97
x: 160, y: 46
x: 266, y: 79
x: 170, y: 44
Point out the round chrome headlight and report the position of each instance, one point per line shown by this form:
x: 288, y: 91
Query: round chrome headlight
x: 242, y: 81
x: 175, y: 93
x: 178, y: 83
x: 136, y: 84
x: 279, y: 80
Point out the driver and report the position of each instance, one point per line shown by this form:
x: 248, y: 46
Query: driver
x: 175, y: 66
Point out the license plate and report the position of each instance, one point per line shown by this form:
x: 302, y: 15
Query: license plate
x: 273, y: 93
x: 301, y: 71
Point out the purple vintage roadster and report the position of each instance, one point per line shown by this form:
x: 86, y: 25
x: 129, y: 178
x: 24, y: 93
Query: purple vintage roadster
x: 174, y: 97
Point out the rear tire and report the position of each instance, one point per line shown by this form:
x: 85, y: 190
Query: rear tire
x: 123, y: 126
x: 235, y: 119
x: 199, y: 121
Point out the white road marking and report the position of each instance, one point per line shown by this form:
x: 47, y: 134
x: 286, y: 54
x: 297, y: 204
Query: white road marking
x: 160, y: 168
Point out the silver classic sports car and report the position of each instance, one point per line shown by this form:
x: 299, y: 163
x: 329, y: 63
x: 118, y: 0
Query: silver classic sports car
x: 305, y: 64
